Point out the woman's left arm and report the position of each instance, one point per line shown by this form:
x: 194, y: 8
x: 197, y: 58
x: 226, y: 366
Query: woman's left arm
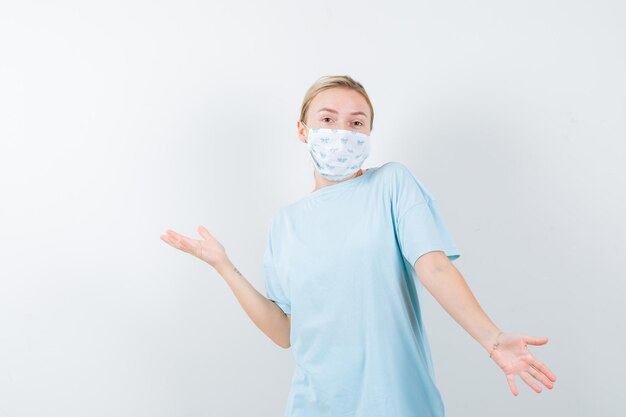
x: 444, y: 281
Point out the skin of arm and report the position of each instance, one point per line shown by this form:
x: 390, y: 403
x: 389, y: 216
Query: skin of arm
x: 263, y: 312
x: 508, y: 350
x: 446, y: 284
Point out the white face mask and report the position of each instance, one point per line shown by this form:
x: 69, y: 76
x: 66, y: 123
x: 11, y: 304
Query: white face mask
x: 337, y: 153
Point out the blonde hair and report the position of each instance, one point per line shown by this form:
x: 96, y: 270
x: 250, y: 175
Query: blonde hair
x: 331, y: 81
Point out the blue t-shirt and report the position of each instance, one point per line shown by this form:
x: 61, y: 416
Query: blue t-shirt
x: 340, y: 261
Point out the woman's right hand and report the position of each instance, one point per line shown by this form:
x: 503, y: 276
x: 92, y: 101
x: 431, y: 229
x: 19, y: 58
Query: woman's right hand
x: 207, y: 249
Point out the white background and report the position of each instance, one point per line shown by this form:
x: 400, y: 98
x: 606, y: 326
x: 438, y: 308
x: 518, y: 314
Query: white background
x: 120, y: 119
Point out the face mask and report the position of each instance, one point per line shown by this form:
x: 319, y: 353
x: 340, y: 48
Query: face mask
x: 337, y: 153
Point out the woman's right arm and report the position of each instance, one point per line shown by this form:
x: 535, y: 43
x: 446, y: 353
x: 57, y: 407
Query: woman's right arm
x: 267, y: 316
x: 264, y: 313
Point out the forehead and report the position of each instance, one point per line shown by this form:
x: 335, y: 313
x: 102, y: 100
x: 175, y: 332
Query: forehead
x: 340, y: 99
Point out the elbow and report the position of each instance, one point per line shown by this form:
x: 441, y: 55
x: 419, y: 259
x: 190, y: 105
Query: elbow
x: 431, y: 263
x: 285, y: 344
x: 285, y: 340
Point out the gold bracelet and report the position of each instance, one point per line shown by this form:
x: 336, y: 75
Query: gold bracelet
x: 495, y: 345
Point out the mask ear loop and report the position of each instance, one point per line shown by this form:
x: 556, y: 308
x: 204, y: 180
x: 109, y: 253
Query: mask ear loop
x: 307, y: 133
x: 307, y: 142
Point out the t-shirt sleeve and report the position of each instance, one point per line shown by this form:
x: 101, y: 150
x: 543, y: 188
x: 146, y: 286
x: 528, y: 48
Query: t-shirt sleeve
x: 419, y: 225
x: 275, y: 288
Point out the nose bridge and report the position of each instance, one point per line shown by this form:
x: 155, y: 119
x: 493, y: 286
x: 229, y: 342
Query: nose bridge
x: 344, y: 123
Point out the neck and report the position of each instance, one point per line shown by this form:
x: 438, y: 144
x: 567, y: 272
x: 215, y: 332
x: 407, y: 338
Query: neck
x: 321, y: 182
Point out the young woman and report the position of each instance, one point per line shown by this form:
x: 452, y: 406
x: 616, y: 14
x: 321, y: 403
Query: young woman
x: 344, y: 267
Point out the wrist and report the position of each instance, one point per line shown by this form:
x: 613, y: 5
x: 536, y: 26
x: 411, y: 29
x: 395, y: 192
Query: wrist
x: 494, y: 342
x: 222, y: 266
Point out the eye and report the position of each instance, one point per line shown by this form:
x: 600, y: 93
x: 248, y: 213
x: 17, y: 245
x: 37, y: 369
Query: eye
x: 360, y: 123
x: 324, y: 119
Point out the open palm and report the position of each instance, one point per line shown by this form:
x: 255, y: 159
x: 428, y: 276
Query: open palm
x: 207, y: 249
x: 514, y: 358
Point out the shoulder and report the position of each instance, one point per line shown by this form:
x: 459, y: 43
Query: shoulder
x: 282, y: 218
x: 396, y: 172
x: 403, y: 183
x: 393, y: 166
x: 277, y: 217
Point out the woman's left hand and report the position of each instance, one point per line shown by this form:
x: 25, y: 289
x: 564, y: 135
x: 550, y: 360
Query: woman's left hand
x: 513, y: 357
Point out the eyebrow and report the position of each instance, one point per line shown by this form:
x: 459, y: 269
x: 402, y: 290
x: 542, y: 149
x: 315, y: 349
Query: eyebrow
x: 335, y: 111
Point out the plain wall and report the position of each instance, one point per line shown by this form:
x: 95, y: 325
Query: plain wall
x: 119, y: 120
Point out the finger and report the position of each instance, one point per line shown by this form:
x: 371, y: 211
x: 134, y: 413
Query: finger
x: 180, y: 239
x: 175, y: 235
x: 540, y: 377
x: 204, y: 233
x: 530, y: 382
x: 168, y: 240
x: 176, y: 243
x: 188, y: 245
x: 511, y: 381
x: 191, y: 246
x: 536, y: 341
x: 544, y: 369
